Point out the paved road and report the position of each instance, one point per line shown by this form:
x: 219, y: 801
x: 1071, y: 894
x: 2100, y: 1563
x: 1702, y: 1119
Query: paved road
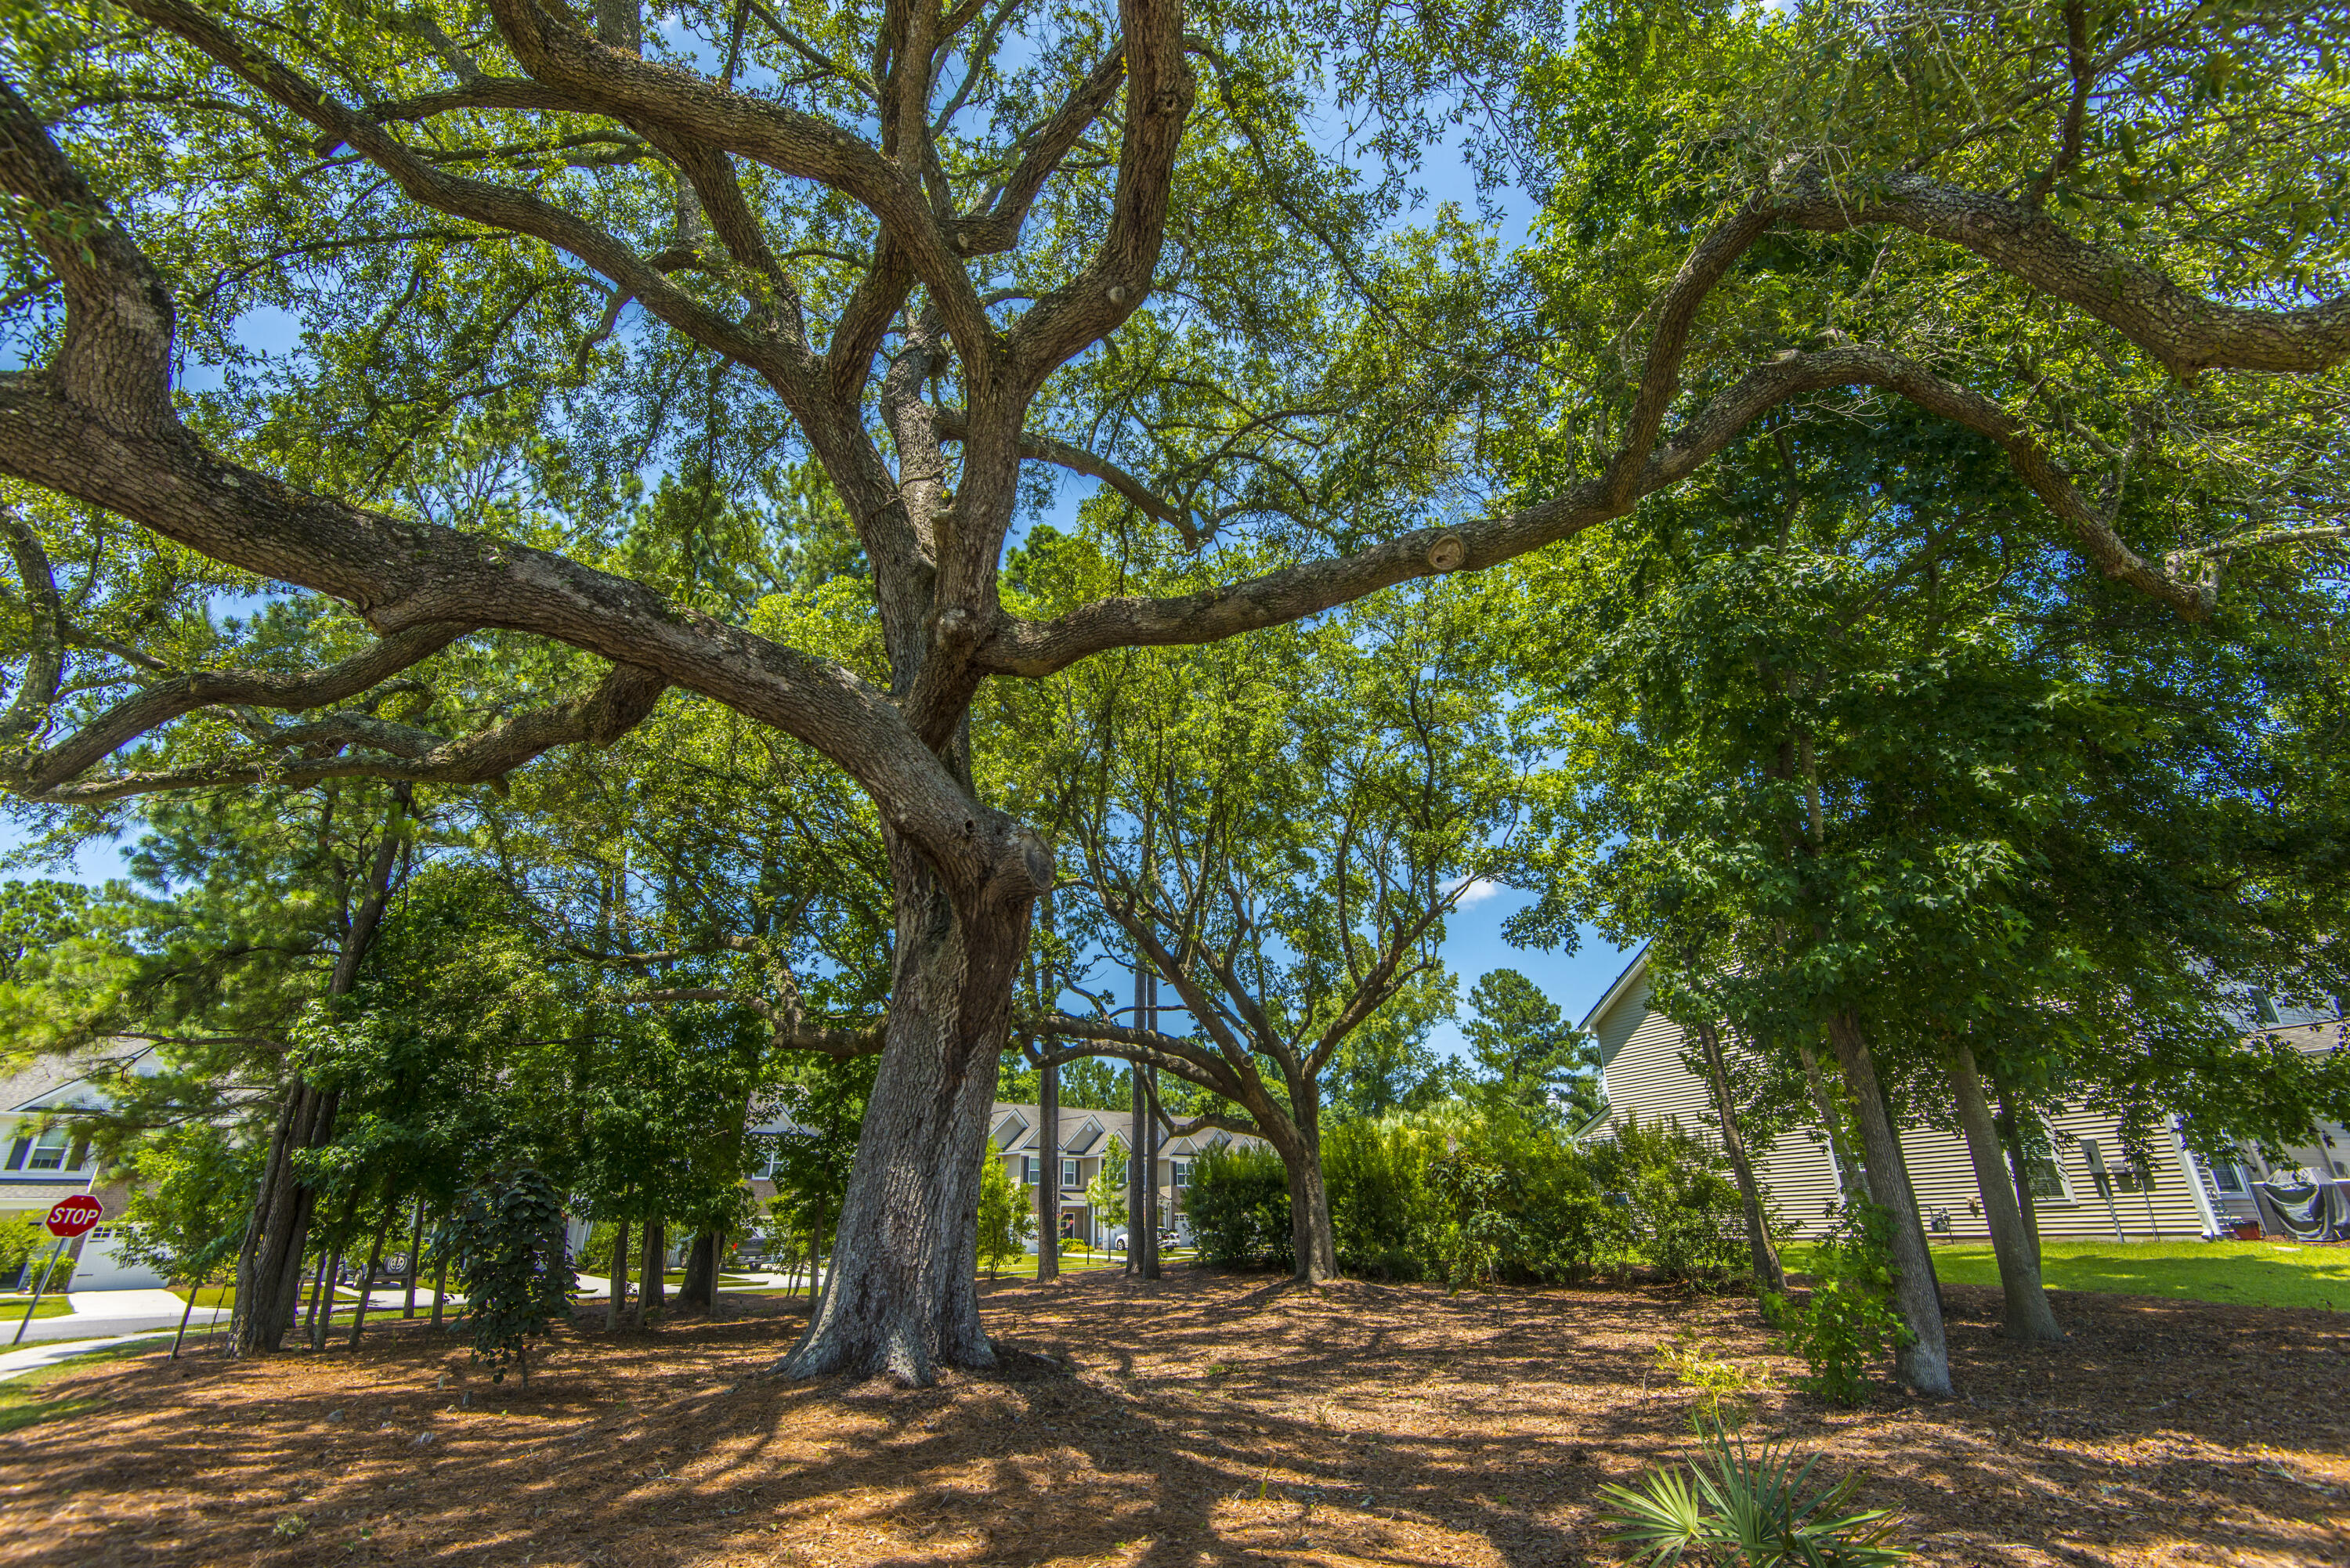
x: 103, y: 1313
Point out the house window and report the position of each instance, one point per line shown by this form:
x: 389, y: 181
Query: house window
x: 1069, y: 1181
x: 1028, y: 1169
x: 2132, y: 1179
x: 2227, y: 1179
x: 2046, y: 1180
x: 49, y: 1151
x: 1182, y: 1169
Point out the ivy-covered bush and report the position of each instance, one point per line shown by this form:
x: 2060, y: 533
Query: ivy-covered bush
x: 507, y: 1247
x: 1238, y: 1203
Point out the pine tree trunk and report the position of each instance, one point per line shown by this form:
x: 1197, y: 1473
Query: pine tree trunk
x: 1924, y: 1363
x: 1048, y: 1183
x: 366, y: 1280
x: 620, y: 1308
x: 440, y: 1286
x: 1148, y: 1267
x: 1770, y: 1278
x: 317, y: 1286
x: 2029, y: 1317
x: 903, y: 1297
x: 269, y: 1267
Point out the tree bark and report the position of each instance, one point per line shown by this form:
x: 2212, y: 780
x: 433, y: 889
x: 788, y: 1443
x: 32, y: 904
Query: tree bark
x: 2019, y: 1163
x: 415, y: 1258
x: 440, y: 1286
x: 193, y: 1287
x: 700, y: 1272
x: 1149, y: 1268
x: 367, y: 1280
x: 903, y: 1296
x: 1924, y: 1363
x: 1770, y: 1278
x: 652, y: 1289
x: 1048, y: 1182
x: 2029, y: 1319
x: 322, y: 1325
x: 317, y: 1289
x: 269, y: 1266
x: 620, y: 1308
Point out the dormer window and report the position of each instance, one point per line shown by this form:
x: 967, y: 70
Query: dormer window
x: 49, y: 1151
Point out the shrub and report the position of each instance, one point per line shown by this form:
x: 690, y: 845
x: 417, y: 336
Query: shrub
x: 1239, y: 1205
x: 505, y: 1239
x: 1383, y: 1203
x: 1849, y: 1322
x: 1006, y: 1217
x: 1689, y: 1223
x: 1752, y: 1511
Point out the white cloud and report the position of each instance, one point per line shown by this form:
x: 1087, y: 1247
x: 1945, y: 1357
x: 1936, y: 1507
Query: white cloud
x: 1477, y: 891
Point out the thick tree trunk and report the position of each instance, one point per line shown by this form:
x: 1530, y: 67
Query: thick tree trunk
x: 1048, y: 1179
x: 653, y: 1288
x: 1313, y: 1240
x: 367, y: 1280
x: 700, y: 1272
x: 2029, y: 1318
x: 1924, y: 1363
x: 269, y: 1267
x: 620, y: 1308
x: 1770, y: 1278
x: 903, y: 1296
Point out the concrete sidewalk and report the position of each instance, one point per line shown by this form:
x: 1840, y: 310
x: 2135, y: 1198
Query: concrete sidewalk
x: 33, y: 1357
x: 104, y: 1313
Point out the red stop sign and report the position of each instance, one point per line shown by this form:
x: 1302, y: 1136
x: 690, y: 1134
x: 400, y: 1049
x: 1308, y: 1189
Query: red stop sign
x: 74, y: 1215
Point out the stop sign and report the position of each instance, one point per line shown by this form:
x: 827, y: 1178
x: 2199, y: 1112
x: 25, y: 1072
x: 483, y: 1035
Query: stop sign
x: 74, y: 1215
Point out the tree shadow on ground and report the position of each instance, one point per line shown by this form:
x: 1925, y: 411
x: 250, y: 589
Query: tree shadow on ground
x: 1201, y: 1419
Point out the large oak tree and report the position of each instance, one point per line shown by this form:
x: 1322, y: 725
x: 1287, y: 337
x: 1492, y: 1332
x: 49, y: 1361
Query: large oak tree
x: 936, y: 243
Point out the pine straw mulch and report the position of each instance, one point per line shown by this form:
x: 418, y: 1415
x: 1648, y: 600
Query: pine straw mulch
x: 1205, y: 1420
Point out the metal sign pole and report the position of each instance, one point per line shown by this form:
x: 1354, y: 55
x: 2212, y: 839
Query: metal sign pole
x: 52, y: 1268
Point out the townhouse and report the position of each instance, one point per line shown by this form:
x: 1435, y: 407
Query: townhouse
x: 2087, y: 1189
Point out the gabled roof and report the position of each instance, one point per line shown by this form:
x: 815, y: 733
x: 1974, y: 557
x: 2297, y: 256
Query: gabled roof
x: 1011, y: 1128
x: 1082, y: 1138
x: 53, y: 1084
x: 1616, y: 989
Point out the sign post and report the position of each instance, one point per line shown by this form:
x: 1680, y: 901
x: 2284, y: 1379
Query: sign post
x: 68, y: 1217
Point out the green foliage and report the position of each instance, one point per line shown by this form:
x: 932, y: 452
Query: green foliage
x: 1239, y: 1206
x: 191, y: 1191
x: 1722, y: 1385
x: 1485, y: 1195
x: 507, y: 1244
x: 1106, y: 1193
x: 1006, y: 1217
x: 1527, y: 1054
x: 1747, y: 1510
x: 22, y: 1241
x: 1849, y: 1323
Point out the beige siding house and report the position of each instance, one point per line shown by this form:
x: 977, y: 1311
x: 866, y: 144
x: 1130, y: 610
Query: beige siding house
x: 1085, y: 1138
x: 1642, y: 1075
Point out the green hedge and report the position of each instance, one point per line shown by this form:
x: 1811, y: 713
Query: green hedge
x: 1468, y: 1198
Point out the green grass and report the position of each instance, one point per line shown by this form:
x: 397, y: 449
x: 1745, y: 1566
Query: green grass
x: 12, y: 1309
x: 25, y: 1401
x: 2244, y: 1273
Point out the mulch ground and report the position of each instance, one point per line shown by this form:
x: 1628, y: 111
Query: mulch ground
x: 1207, y: 1419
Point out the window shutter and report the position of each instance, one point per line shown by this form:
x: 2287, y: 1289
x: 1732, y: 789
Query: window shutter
x: 16, y: 1153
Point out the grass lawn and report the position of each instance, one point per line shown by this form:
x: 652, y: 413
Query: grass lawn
x: 12, y: 1308
x: 25, y: 1401
x: 2244, y: 1273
